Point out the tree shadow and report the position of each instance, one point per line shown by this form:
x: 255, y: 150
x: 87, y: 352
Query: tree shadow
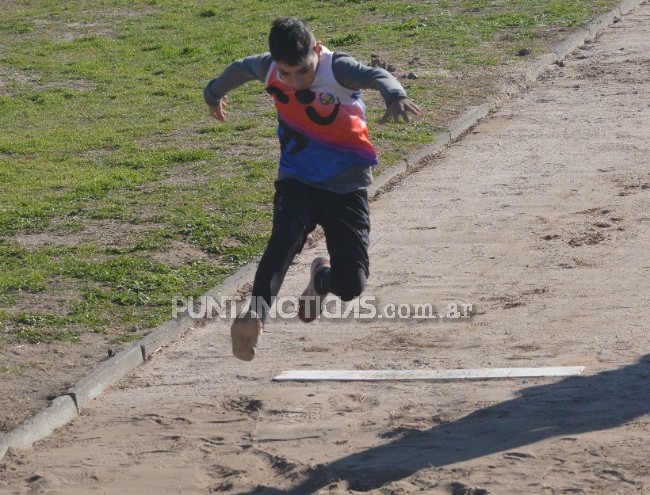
x: 577, y: 404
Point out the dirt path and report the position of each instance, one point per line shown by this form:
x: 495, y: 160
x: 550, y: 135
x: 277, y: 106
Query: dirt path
x: 540, y: 218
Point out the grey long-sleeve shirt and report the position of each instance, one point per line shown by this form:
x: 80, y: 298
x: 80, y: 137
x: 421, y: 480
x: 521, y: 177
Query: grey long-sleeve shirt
x: 348, y: 72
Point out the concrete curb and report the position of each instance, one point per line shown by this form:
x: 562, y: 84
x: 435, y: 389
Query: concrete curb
x: 62, y: 410
x: 167, y: 332
x: 65, y: 408
x: 105, y: 375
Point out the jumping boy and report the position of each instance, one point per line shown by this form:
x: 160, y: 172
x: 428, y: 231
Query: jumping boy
x: 325, y: 166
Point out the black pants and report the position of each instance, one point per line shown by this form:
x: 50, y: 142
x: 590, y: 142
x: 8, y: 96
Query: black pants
x: 297, y: 209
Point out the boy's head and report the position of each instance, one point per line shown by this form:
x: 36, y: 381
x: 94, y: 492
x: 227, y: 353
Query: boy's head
x: 295, y: 51
x: 290, y: 40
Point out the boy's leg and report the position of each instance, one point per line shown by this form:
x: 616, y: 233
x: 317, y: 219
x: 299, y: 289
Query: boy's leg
x: 346, y: 223
x: 292, y: 222
x: 345, y: 219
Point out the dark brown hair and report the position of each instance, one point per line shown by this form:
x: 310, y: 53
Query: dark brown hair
x: 290, y: 40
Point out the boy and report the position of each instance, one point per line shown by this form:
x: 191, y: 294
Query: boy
x: 325, y: 166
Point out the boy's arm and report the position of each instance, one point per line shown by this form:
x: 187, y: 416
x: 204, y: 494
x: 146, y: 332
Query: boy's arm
x: 354, y: 75
x: 242, y: 71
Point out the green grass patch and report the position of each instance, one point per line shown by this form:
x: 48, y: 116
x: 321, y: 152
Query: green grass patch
x: 117, y: 189
x: 18, y: 368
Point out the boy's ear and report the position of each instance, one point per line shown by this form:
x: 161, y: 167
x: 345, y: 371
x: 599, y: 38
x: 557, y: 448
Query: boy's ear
x: 318, y: 48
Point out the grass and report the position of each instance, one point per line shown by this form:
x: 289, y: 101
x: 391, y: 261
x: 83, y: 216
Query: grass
x: 18, y: 368
x: 117, y: 190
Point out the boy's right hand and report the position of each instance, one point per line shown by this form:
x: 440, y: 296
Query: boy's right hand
x: 219, y: 111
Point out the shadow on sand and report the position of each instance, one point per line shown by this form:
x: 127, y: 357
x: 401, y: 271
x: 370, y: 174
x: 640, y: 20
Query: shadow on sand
x: 577, y: 404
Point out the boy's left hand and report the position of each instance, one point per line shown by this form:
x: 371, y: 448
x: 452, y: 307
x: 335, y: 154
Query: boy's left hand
x: 400, y: 108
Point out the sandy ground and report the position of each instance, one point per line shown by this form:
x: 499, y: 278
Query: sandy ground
x: 540, y: 219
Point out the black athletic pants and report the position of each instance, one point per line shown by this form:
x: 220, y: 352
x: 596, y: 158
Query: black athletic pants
x: 297, y: 209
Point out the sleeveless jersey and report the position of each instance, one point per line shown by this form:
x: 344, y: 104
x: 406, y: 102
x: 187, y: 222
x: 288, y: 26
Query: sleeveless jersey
x: 322, y: 129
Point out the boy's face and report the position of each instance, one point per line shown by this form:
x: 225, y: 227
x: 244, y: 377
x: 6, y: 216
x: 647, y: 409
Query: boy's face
x: 301, y: 75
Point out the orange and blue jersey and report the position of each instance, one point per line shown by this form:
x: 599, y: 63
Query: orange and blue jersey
x: 322, y: 129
